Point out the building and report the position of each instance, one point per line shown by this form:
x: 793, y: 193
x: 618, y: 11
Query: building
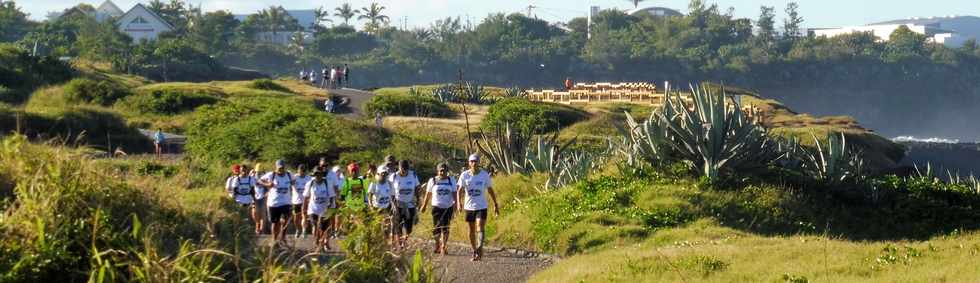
x: 141, y: 23
x: 305, y: 19
x: 654, y: 12
x: 107, y: 10
x: 951, y: 31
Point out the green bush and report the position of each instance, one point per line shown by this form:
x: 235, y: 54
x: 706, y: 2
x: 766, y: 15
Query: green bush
x: 79, y: 126
x: 21, y: 73
x: 408, y: 105
x: 530, y: 117
x: 267, y: 84
x: 270, y: 128
x: 168, y: 101
x: 99, y: 92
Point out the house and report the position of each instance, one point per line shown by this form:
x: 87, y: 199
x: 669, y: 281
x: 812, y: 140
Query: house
x: 107, y: 10
x: 654, y: 12
x: 141, y: 23
x: 305, y: 19
x: 951, y: 31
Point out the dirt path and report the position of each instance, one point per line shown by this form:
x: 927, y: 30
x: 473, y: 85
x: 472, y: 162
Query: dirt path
x: 358, y: 99
x: 499, y: 265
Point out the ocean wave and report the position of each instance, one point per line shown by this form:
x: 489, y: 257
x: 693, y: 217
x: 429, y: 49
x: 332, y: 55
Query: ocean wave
x: 926, y: 140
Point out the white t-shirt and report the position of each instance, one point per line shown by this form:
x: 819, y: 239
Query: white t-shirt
x: 475, y: 187
x: 381, y: 194
x: 259, y: 190
x: 404, y: 187
x: 281, y: 191
x: 321, y: 196
x: 241, y: 188
x: 442, y: 192
x: 299, y: 187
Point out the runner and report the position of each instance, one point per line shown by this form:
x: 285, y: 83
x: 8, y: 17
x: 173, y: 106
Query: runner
x: 476, y: 183
x: 441, y: 190
x: 260, y: 210
x: 299, y: 209
x: 354, y: 191
x: 319, y: 196
x: 241, y: 187
x: 404, y: 183
x: 380, y: 194
x: 158, y: 140
x: 279, y: 184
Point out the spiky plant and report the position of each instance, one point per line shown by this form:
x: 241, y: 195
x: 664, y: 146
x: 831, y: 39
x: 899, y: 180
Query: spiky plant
x: 833, y: 161
x: 446, y: 93
x: 713, y: 137
x: 474, y: 94
x: 504, y: 148
x: 648, y: 141
x: 515, y: 92
x: 574, y: 167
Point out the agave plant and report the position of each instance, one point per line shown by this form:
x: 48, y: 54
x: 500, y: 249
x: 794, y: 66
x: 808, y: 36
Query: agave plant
x: 712, y: 136
x: 544, y: 155
x: 573, y: 168
x: 446, y: 93
x: 648, y: 140
x: 504, y: 148
x: 474, y: 94
x: 833, y: 162
x: 515, y: 92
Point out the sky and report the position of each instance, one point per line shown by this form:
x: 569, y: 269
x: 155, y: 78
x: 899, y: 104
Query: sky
x: 420, y: 13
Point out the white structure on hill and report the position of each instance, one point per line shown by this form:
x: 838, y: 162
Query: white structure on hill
x: 654, y: 11
x: 107, y: 10
x: 305, y: 19
x: 141, y: 23
x: 951, y: 31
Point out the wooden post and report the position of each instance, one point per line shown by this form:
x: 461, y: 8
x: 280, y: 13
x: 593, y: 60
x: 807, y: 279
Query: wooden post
x: 466, y: 117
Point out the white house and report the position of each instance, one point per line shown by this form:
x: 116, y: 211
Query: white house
x: 141, y: 23
x: 107, y: 10
x: 951, y: 31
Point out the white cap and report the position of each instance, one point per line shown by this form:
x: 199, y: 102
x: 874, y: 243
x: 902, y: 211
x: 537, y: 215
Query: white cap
x: 383, y: 169
x: 474, y: 157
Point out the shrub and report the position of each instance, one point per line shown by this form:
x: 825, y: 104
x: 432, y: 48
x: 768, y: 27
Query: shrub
x: 530, y: 117
x: 99, y: 92
x: 77, y: 125
x: 168, y: 101
x: 408, y: 105
x: 271, y: 128
x: 267, y: 84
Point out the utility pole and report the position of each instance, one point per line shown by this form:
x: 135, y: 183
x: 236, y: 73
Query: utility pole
x: 529, y: 9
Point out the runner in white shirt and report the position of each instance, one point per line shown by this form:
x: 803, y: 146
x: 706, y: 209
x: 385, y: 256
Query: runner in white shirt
x: 260, y: 213
x: 475, y: 184
x: 299, y: 217
x: 279, y: 185
x: 381, y: 194
x: 320, y: 195
x: 241, y: 187
x: 405, y: 185
x: 441, y: 190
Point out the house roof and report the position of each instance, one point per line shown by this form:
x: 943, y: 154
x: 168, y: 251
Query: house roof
x: 140, y: 7
x: 968, y: 26
x: 109, y: 8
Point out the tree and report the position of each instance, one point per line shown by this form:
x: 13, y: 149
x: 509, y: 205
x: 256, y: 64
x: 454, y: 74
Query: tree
x: 904, y: 44
x: 214, y: 32
x: 13, y: 22
x: 636, y: 3
x: 766, y: 25
x: 276, y: 19
x: 792, y: 28
x: 373, y: 15
x: 345, y: 12
x: 320, y: 15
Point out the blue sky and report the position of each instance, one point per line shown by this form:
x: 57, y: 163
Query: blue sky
x: 817, y: 13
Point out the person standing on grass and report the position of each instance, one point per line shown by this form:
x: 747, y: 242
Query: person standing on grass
x: 259, y: 208
x: 158, y: 139
x: 475, y: 184
x: 279, y: 184
x: 405, y: 185
x: 241, y: 187
x: 299, y: 209
x: 441, y: 191
x: 381, y: 195
x: 319, y: 197
x: 347, y: 75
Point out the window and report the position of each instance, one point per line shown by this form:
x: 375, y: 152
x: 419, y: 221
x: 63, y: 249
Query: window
x: 139, y: 20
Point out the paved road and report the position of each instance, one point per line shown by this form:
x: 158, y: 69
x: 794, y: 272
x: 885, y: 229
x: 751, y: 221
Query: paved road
x: 358, y: 99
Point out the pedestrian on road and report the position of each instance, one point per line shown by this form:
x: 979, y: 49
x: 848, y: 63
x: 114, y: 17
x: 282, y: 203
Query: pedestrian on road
x: 326, y: 77
x: 441, y: 192
x: 299, y: 210
x: 340, y: 77
x: 241, y: 187
x: 260, y: 209
x: 380, y: 193
x: 158, y: 140
x: 319, y: 196
x: 475, y: 184
x: 405, y: 185
x: 347, y: 75
x: 333, y: 77
x: 279, y: 185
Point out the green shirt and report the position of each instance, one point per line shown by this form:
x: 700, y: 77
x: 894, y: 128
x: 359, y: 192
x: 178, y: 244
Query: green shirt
x: 354, y: 192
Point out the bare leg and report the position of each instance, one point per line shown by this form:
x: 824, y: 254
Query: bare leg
x: 473, y: 237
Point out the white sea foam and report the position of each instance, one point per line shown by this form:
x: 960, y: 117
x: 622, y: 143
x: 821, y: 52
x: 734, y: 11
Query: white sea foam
x: 926, y: 140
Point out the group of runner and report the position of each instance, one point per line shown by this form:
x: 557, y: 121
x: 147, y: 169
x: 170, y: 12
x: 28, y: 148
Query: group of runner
x: 332, y: 77
x: 322, y: 202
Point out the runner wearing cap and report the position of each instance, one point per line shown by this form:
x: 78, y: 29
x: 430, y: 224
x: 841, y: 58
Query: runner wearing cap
x: 279, y: 184
x: 404, y: 183
x: 259, y: 212
x: 476, y: 184
x: 441, y: 190
x: 298, y: 204
x: 381, y: 194
x: 319, y: 196
x: 354, y: 191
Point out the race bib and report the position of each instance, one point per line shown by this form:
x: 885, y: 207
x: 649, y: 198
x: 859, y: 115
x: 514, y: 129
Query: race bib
x: 321, y: 200
x: 282, y: 191
x: 442, y: 192
x: 243, y: 190
x: 405, y: 192
x: 383, y: 200
x: 474, y: 192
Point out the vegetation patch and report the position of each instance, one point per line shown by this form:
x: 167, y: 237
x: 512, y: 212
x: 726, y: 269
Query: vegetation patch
x: 168, y: 102
x: 408, y: 105
x: 103, y: 92
x: 267, y: 84
x: 531, y: 117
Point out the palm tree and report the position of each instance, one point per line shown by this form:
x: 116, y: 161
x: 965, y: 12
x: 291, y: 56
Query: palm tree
x: 320, y: 15
x: 636, y: 3
x: 373, y: 15
x: 346, y: 12
x: 275, y: 18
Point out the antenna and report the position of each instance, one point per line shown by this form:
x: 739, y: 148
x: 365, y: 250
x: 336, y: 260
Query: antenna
x: 529, y: 9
